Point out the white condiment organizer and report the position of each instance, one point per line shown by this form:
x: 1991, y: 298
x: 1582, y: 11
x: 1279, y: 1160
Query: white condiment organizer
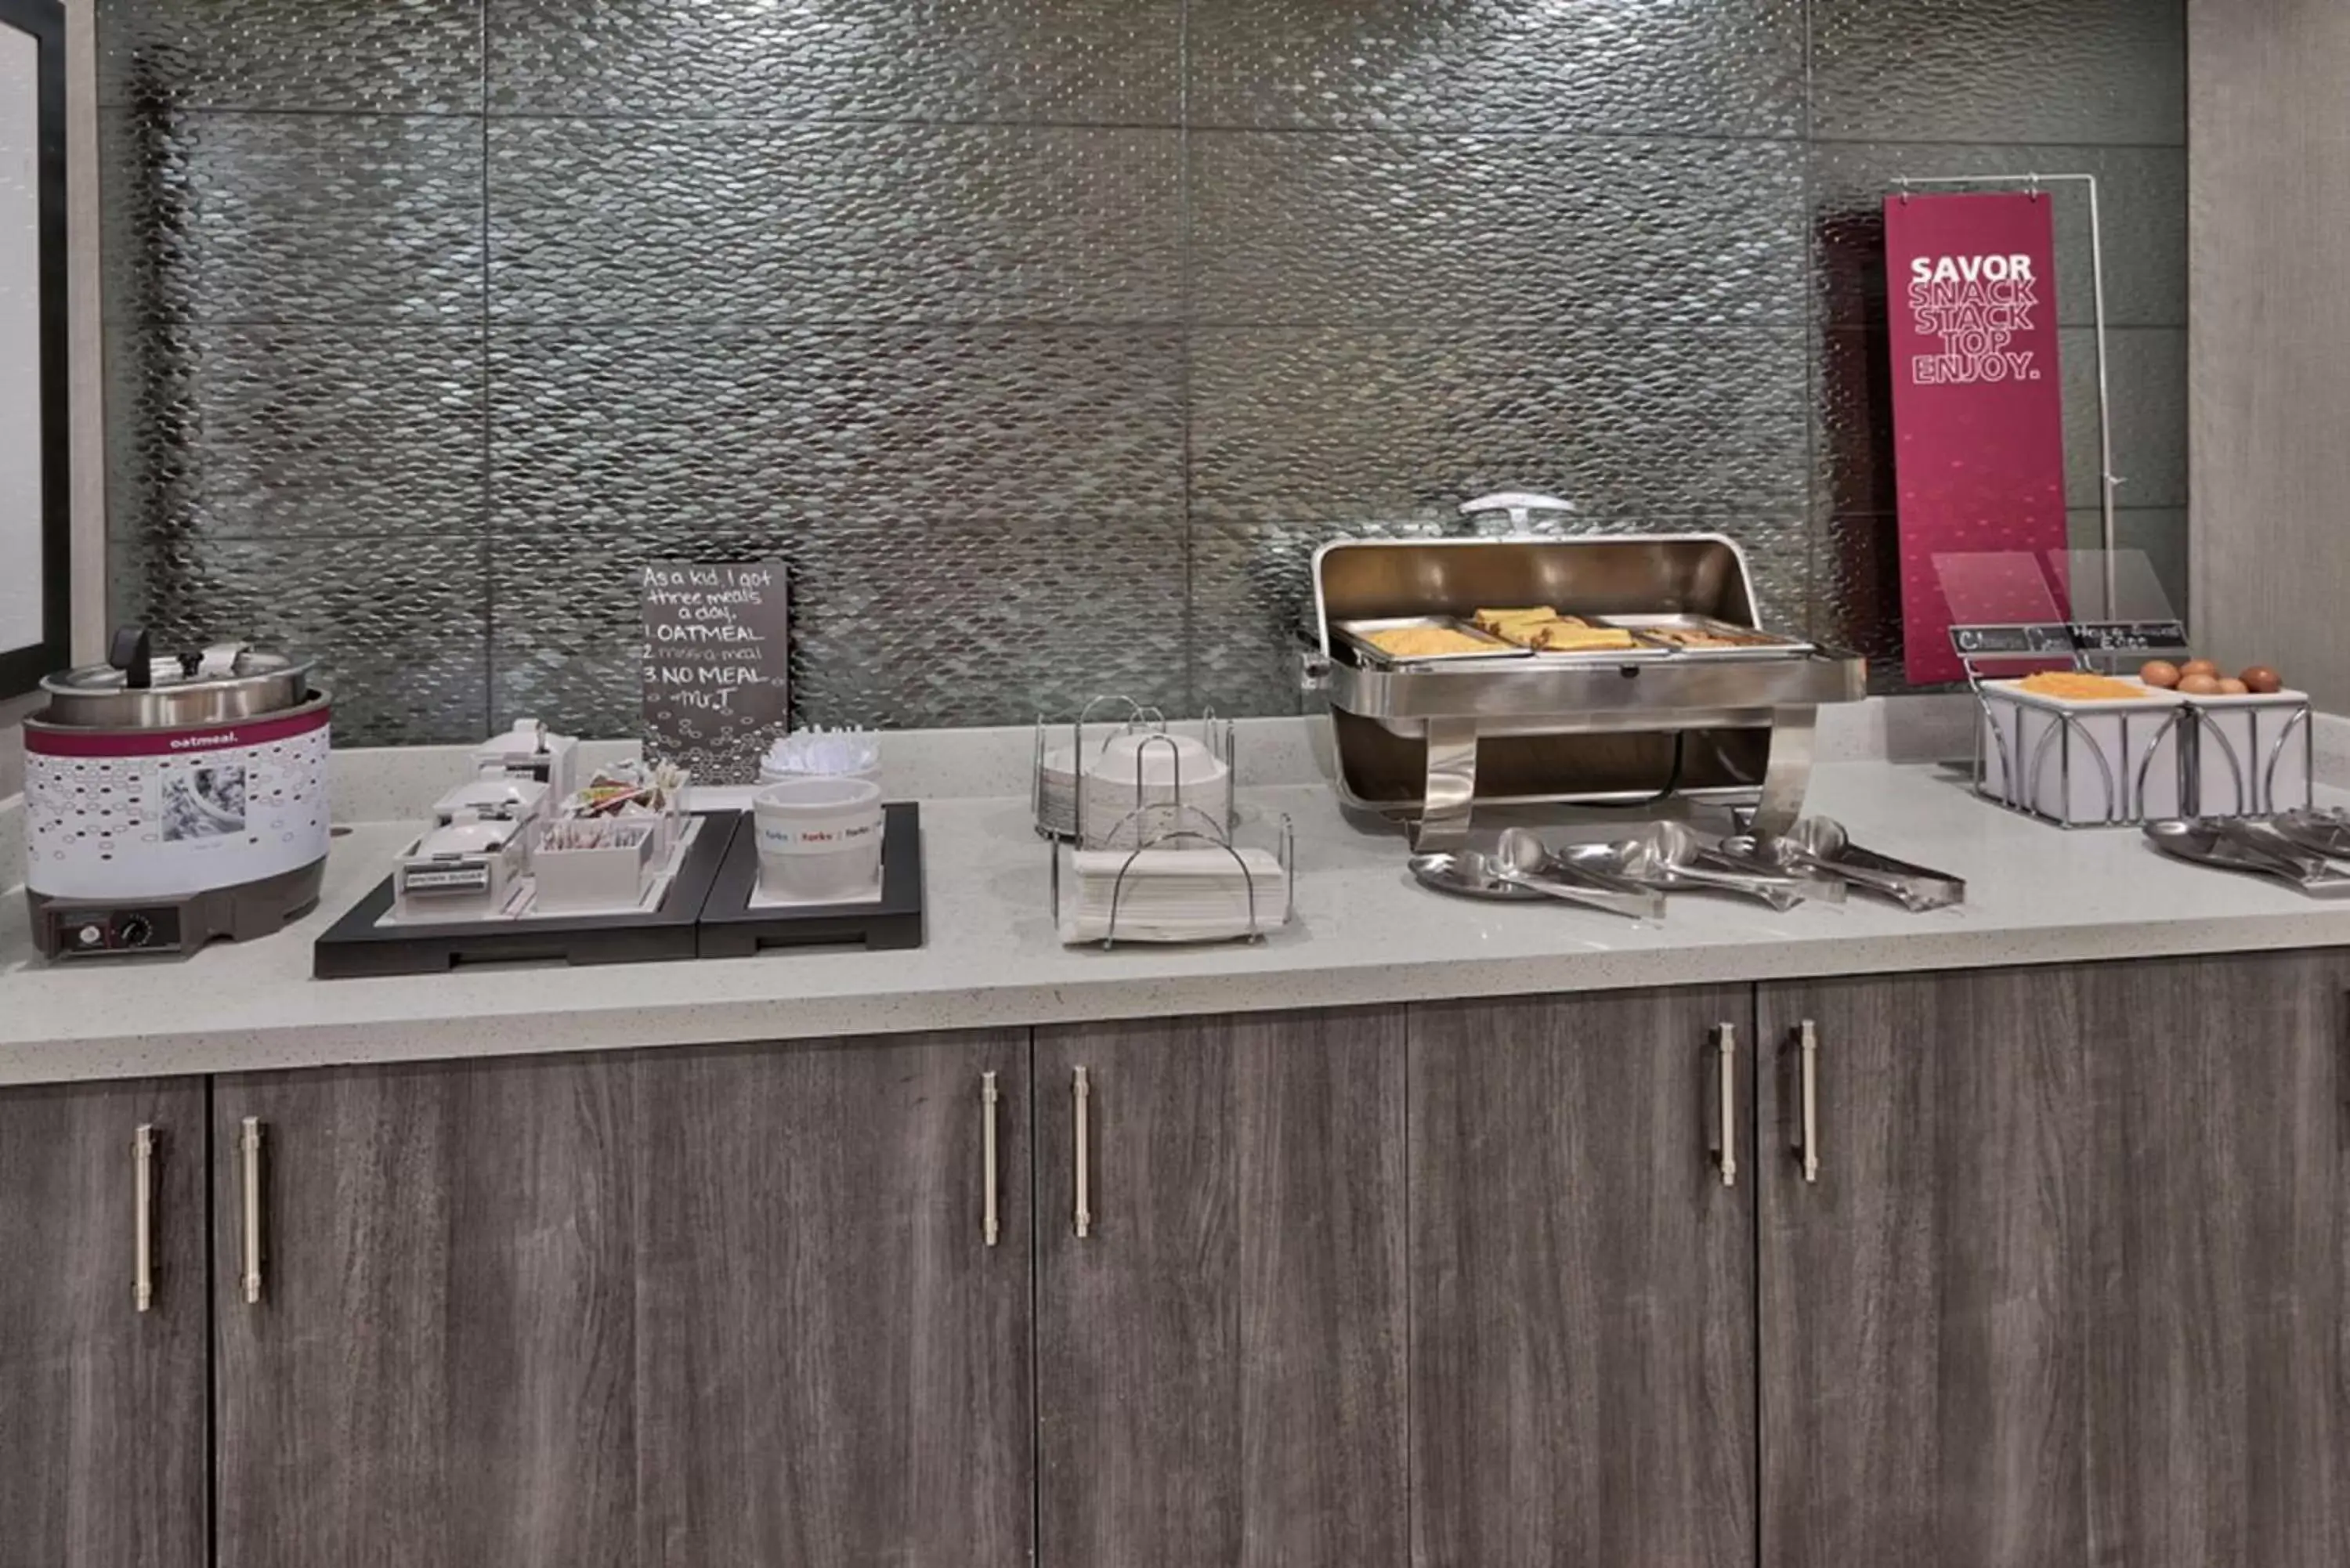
x: 605, y: 865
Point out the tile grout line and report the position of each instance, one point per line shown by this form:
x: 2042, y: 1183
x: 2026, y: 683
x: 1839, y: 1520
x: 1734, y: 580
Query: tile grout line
x: 1185, y: 302
x: 1820, y: 322
x: 488, y: 526
x: 1214, y: 127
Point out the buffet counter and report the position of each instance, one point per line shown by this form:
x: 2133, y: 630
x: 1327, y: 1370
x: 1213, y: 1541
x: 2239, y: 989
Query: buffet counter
x: 1365, y: 934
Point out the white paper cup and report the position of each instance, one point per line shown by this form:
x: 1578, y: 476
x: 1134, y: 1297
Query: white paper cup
x: 818, y: 837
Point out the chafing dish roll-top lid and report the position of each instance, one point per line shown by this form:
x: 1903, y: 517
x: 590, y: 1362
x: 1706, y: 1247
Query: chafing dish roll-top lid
x: 1699, y: 574
x: 1581, y: 725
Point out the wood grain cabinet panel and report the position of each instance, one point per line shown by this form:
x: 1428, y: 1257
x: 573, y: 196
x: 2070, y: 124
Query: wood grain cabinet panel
x: 2070, y: 1287
x: 834, y: 1363
x: 1926, y: 1301
x: 102, y: 1421
x: 440, y: 1372
x: 2218, y: 1349
x: 1221, y: 1356
x: 1582, y: 1283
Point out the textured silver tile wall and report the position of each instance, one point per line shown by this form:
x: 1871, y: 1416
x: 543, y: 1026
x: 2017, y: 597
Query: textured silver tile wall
x: 1044, y: 338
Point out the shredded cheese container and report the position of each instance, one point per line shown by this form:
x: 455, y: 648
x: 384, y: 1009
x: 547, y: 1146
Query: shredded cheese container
x: 2083, y: 761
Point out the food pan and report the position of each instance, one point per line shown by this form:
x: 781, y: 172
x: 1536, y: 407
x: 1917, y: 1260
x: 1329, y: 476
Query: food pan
x: 1752, y: 644
x: 1356, y: 634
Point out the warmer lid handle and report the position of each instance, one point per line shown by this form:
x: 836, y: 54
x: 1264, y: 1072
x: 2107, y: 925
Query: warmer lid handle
x: 1520, y: 505
x: 132, y: 651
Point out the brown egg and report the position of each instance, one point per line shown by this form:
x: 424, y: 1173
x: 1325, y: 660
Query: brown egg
x: 2160, y: 672
x: 2231, y: 687
x: 2261, y: 679
x: 2200, y: 684
x: 2200, y: 666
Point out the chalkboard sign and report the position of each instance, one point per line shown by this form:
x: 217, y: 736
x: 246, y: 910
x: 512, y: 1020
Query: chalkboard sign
x: 716, y: 667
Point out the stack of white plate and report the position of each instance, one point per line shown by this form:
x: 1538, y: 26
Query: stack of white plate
x: 1172, y: 895
x: 1056, y: 792
x: 1146, y: 787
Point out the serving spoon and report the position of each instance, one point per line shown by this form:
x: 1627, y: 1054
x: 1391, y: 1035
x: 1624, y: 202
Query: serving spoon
x: 1668, y: 852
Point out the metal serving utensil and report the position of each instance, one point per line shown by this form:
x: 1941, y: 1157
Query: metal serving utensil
x: 1820, y: 844
x: 2268, y: 839
x: 1524, y: 852
x: 2205, y: 845
x: 1668, y: 853
x: 1472, y: 875
x: 2323, y: 830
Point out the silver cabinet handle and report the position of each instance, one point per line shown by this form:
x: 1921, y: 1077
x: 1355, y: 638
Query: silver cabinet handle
x: 1726, y: 1152
x: 1807, y: 1045
x: 1079, y: 1093
x: 249, y: 1148
x: 142, y: 1177
x: 990, y: 1224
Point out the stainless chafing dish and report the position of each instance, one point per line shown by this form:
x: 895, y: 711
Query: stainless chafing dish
x: 1428, y: 739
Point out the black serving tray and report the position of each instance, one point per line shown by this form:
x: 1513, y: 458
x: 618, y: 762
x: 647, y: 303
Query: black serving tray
x: 355, y: 946
x: 730, y: 928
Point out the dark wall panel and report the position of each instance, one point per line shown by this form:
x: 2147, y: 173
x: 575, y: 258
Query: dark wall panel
x: 1044, y: 338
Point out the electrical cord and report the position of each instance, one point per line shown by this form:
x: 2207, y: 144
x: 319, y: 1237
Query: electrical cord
x: 1672, y: 784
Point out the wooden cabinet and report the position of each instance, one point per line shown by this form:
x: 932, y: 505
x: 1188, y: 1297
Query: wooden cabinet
x: 1221, y: 1337
x: 2070, y: 1286
x: 102, y: 1419
x: 440, y: 1370
x: 1582, y: 1283
x: 2219, y: 1263
x: 2031, y: 1268
x: 1925, y: 1300
x: 833, y: 1356
x: 685, y: 1308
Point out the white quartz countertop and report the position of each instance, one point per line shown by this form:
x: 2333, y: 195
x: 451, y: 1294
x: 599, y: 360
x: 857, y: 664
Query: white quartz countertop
x: 1367, y: 933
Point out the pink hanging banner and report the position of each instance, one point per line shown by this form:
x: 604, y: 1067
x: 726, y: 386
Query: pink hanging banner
x: 1978, y: 404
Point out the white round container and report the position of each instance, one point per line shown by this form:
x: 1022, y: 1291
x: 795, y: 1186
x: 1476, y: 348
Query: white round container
x: 1145, y: 788
x: 818, y: 837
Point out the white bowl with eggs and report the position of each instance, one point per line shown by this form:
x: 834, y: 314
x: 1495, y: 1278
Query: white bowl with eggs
x: 2250, y: 753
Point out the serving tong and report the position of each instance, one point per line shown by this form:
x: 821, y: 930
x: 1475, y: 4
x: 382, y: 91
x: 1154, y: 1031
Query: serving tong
x: 1820, y: 844
x: 2308, y: 849
x: 1817, y: 861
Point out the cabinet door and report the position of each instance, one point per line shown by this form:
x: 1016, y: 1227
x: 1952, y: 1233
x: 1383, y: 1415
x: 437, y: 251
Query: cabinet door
x: 1925, y: 1298
x: 439, y: 1370
x: 1222, y: 1347
x: 834, y: 1356
x: 102, y: 1420
x: 1582, y: 1283
x: 2220, y: 1342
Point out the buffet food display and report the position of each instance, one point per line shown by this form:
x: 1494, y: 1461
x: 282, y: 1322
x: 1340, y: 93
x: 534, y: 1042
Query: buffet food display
x: 2081, y: 749
x: 173, y: 799
x: 1594, y: 669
